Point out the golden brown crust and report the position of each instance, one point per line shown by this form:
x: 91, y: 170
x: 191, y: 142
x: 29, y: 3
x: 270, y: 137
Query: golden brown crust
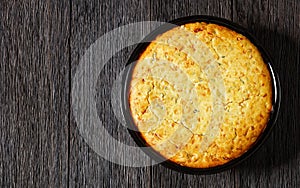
x: 158, y: 103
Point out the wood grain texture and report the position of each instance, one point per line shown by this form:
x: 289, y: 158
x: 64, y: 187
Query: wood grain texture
x: 34, y: 99
x: 41, y: 46
x: 90, y: 20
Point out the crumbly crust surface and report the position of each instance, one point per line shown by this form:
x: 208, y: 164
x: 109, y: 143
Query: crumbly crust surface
x: 160, y: 92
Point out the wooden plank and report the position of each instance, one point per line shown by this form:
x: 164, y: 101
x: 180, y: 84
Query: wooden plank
x: 276, y: 25
x: 40, y: 145
x: 34, y: 94
x: 164, y: 11
x: 90, y: 20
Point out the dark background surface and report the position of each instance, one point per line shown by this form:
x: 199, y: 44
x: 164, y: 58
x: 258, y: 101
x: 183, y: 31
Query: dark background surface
x: 41, y: 45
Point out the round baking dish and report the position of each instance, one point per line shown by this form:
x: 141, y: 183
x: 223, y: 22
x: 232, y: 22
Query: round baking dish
x: 136, y: 135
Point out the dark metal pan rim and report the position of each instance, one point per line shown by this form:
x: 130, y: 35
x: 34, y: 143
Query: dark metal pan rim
x: 276, y: 95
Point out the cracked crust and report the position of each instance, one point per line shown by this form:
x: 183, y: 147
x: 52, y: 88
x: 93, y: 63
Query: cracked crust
x: 158, y: 105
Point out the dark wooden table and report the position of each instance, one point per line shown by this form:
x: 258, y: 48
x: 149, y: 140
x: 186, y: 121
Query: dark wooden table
x: 41, y: 46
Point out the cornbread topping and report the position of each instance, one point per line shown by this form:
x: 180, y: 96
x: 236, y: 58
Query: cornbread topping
x: 200, y: 94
